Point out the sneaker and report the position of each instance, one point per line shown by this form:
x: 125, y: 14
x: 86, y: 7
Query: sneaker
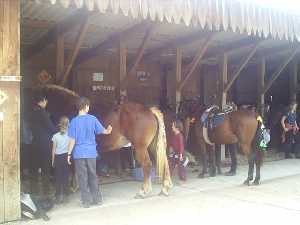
x: 230, y: 173
x: 288, y: 156
x: 97, y: 203
x: 59, y: 199
x: 85, y: 205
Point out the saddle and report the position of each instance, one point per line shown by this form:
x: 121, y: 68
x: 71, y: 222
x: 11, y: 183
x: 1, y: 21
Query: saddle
x: 212, y: 118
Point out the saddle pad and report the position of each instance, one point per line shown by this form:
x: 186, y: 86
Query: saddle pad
x: 217, y: 120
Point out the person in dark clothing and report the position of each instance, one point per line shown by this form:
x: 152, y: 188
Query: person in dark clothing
x: 290, y: 128
x: 42, y: 131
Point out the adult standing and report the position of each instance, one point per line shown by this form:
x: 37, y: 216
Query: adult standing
x: 42, y: 131
x: 290, y: 128
x: 82, y: 131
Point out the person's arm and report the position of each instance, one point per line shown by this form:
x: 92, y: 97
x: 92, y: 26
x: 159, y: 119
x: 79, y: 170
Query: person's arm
x: 48, y: 123
x: 297, y: 128
x: 180, y: 146
x: 99, y: 129
x: 53, y: 151
x: 72, y: 142
x: 70, y: 149
x: 282, y: 123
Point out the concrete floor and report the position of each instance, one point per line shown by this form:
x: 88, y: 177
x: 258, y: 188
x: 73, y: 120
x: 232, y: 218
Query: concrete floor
x: 218, y: 200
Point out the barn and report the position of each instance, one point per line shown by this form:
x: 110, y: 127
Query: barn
x: 153, y: 51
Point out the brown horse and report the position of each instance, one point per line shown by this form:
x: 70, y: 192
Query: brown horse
x: 240, y: 127
x: 144, y: 128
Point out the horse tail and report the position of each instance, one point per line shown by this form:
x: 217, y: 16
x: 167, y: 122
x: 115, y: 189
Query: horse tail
x: 161, y: 145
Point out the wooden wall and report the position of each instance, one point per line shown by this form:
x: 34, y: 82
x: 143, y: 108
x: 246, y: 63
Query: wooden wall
x: 10, y: 125
x: 146, y: 92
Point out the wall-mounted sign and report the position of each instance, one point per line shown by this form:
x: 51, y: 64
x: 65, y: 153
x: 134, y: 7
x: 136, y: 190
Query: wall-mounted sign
x: 142, y: 75
x: 103, y: 88
x: 98, y: 77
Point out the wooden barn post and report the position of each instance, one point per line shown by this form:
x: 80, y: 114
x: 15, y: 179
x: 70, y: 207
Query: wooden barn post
x: 178, y: 77
x: 261, y: 85
x: 293, y: 80
x: 224, y: 80
x: 122, y: 69
x: 9, y: 110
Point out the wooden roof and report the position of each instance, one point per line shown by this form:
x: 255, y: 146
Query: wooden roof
x: 211, y: 14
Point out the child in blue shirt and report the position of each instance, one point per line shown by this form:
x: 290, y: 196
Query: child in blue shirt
x: 60, y: 145
x: 83, y: 130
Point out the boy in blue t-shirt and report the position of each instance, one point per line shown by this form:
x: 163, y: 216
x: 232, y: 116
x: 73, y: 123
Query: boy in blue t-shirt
x: 82, y: 131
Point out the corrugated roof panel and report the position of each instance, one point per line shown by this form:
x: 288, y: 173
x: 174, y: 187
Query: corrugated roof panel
x: 44, y: 11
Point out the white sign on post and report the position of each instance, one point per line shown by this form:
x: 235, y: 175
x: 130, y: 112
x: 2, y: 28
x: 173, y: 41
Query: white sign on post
x: 98, y: 77
x: 1, y: 116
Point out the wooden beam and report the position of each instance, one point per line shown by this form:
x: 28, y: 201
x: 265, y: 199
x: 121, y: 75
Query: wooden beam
x: 60, y: 57
x: 178, y: 77
x: 81, y: 34
x: 111, y: 42
x: 281, y: 67
x: 242, y: 66
x: 173, y: 44
x: 122, y: 66
x: 10, y: 206
x: 61, y: 28
x: 201, y: 51
x: 36, y: 23
x: 141, y: 51
x: 261, y: 84
x: 224, y: 79
x: 293, y: 81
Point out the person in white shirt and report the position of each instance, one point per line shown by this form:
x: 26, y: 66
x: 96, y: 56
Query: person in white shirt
x: 60, y: 145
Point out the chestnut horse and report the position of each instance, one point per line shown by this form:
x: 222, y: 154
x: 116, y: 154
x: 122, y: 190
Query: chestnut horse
x: 143, y: 127
x: 240, y: 127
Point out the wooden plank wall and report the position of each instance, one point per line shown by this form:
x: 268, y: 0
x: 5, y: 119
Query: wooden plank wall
x: 10, y: 126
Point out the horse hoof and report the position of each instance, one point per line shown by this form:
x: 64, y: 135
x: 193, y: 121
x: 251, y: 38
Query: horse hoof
x: 164, y: 193
x: 140, y: 195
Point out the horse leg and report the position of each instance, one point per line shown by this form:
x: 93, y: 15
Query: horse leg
x: 144, y: 160
x: 251, y: 160
x: 212, y: 161
x: 258, y: 162
x: 218, y: 160
x: 204, y: 161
